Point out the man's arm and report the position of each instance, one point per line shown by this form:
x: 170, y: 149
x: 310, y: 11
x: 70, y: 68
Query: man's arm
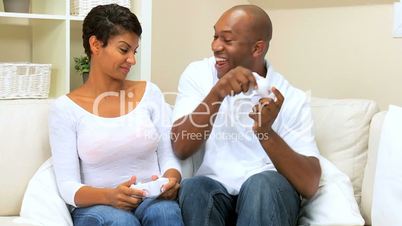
x: 190, y: 132
x: 302, y: 172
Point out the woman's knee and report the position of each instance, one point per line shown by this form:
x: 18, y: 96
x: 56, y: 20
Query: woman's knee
x: 163, y: 212
x: 103, y: 215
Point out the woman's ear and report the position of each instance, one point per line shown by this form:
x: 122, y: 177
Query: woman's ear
x: 260, y: 48
x: 95, y: 45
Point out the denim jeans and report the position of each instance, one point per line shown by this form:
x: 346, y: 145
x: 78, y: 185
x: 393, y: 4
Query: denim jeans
x: 265, y: 199
x: 151, y: 212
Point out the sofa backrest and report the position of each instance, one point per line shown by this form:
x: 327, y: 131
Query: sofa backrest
x: 24, y: 146
x: 342, y: 131
x: 342, y: 128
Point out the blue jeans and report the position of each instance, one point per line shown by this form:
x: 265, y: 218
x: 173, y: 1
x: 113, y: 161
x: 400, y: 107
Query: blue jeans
x: 151, y: 212
x: 265, y: 199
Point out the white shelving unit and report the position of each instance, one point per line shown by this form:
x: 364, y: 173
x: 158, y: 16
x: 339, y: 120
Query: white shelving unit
x: 49, y: 34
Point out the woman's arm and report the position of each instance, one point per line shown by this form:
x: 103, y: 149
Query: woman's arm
x: 122, y: 196
x: 63, y: 141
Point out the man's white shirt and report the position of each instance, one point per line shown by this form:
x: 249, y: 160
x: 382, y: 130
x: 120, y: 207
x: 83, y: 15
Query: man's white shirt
x: 233, y: 153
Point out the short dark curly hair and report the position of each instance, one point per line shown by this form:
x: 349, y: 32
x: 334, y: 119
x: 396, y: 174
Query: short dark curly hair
x: 106, y: 21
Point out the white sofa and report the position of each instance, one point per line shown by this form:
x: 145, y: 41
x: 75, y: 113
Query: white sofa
x: 347, y: 133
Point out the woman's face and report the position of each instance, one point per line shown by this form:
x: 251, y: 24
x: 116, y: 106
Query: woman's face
x: 118, y: 56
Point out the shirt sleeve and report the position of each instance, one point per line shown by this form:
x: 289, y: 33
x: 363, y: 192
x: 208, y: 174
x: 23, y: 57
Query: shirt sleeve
x: 161, y: 117
x: 297, y: 129
x: 190, y: 94
x: 63, y: 143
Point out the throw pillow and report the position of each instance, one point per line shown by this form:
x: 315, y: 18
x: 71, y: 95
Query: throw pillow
x: 334, y: 202
x: 42, y: 203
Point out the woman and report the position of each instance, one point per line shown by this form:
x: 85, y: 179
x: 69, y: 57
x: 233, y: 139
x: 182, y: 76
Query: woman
x: 111, y: 133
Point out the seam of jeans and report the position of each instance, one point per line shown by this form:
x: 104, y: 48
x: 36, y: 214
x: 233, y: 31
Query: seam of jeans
x: 97, y: 217
x: 210, y: 203
x: 209, y: 207
x: 274, y: 206
x: 286, y: 210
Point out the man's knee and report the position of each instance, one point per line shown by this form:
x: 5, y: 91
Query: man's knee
x: 266, y: 179
x: 270, y: 193
x: 266, y: 184
x: 199, y: 191
x: 197, y: 185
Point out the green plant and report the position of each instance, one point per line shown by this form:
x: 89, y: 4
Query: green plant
x: 81, y: 64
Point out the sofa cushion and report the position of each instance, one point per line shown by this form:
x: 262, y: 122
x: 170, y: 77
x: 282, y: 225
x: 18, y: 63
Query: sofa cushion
x: 342, y: 129
x: 11, y: 221
x: 335, y: 192
x: 42, y: 202
x: 24, y: 146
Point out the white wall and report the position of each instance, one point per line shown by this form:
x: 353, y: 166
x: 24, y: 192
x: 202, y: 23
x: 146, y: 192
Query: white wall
x: 336, y: 49
x: 182, y: 31
x: 339, y: 52
x: 14, y: 46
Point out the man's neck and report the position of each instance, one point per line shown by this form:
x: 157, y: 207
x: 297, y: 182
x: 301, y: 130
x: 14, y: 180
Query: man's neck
x: 262, y: 69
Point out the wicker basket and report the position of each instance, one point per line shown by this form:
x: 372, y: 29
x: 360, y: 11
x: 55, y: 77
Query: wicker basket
x: 24, y: 80
x: 82, y: 7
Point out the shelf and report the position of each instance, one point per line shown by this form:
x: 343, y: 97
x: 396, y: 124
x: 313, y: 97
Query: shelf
x: 32, y: 16
x: 50, y: 35
x: 77, y: 18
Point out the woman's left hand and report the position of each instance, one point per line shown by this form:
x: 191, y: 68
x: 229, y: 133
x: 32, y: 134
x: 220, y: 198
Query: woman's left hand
x: 170, y: 190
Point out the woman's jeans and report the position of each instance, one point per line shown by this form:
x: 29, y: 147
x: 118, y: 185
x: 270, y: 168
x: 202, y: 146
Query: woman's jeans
x: 265, y: 199
x: 151, y: 212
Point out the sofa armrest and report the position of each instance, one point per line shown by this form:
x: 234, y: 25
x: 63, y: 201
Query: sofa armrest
x: 369, y: 172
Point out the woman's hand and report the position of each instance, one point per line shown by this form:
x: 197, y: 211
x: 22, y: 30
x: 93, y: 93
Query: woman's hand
x: 124, y: 197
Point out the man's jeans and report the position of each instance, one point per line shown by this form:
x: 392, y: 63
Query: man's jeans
x: 150, y: 212
x: 265, y: 199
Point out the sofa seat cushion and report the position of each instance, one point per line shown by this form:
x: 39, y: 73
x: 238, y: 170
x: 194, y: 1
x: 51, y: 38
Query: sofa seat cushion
x: 342, y: 130
x: 24, y: 146
x: 9, y: 221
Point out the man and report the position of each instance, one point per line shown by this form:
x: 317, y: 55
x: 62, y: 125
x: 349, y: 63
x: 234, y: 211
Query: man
x: 254, y: 168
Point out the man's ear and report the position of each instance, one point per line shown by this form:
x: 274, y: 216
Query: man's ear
x: 260, y: 48
x: 94, y: 44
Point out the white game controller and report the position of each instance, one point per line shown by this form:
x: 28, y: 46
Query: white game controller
x: 263, y: 88
x: 152, y: 188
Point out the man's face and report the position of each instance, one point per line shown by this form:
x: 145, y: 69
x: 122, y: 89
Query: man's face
x: 231, y: 44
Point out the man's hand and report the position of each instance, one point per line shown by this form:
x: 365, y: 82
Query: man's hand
x: 170, y: 190
x: 234, y: 82
x: 265, y: 112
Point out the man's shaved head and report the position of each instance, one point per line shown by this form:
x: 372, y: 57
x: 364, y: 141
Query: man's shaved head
x: 256, y: 20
